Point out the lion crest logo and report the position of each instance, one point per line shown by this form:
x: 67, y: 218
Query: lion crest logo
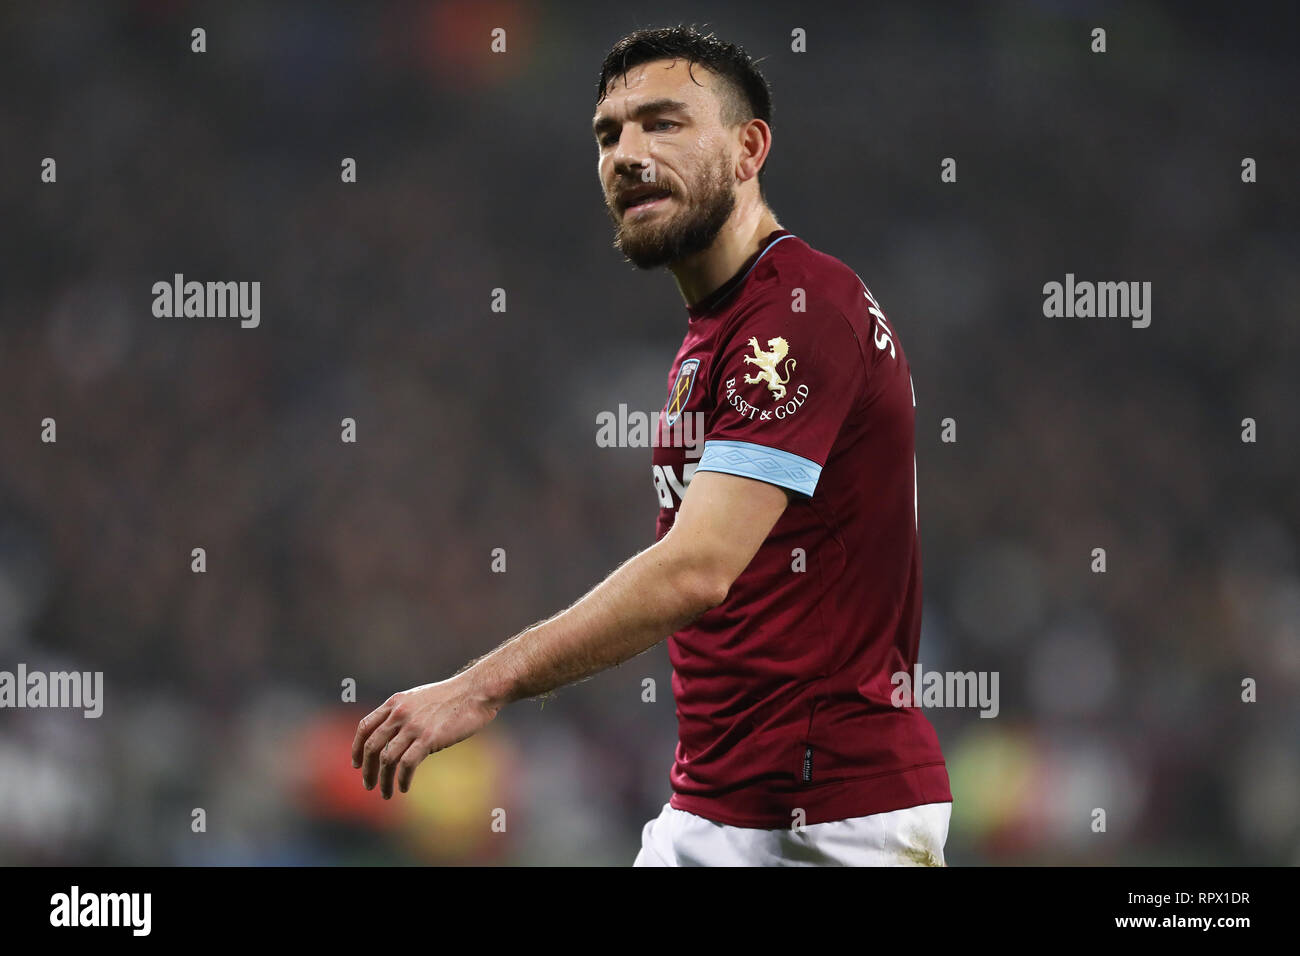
x: 769, y: 365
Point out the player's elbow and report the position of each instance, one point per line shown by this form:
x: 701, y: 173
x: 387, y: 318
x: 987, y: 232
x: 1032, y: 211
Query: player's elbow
x: 702, y: 588
x: 699, y: 575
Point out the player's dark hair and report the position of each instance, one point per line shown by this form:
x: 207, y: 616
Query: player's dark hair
x: 750, y: 97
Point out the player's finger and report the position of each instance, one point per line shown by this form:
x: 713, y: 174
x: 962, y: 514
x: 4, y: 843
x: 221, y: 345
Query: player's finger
x: 378, y: 740
x: 419, y: 749
x: 393, y: 753
x: 364, y: 730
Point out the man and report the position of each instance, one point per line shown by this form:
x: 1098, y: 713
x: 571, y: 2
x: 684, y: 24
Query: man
x: 786, y: 567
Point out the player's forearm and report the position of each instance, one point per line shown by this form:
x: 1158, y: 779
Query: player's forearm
x: 646, y: 599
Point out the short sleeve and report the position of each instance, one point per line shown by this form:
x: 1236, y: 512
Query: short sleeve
x: 784, y: 382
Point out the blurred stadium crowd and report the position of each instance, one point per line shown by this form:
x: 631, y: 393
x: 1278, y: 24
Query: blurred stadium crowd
x: 329, y: 561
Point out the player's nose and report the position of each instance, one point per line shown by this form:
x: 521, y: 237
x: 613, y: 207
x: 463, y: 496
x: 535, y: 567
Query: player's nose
x: 631, y: 152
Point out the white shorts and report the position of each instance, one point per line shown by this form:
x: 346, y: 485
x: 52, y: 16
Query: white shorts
x: 914, y: 836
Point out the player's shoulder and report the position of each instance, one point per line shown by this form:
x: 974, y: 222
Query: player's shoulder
x: 794, y: 277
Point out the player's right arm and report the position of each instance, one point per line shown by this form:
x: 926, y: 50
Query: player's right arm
x: 723, y: 521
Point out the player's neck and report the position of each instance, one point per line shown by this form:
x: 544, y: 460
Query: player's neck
x: 706, y: 272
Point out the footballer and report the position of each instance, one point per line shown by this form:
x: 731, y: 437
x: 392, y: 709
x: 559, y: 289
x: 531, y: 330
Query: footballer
x: 786, y: 571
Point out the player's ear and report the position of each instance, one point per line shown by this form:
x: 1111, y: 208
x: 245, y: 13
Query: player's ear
x: 755, y: 142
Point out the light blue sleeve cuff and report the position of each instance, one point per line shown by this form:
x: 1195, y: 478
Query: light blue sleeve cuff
x: 772, y: 465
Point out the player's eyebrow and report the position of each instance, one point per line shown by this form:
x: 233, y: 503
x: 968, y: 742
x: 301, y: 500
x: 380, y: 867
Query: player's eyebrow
x: 662, y: 105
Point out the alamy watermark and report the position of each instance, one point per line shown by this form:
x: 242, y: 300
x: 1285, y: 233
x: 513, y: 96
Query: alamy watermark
x: 77, y: 909
x: 946, y: 689
x: 636, y: 429
x: 208, y: 300
x: 1102, y: 300
x: 74, y: 689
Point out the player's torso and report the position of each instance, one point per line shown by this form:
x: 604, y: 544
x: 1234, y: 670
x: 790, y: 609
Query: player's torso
x: 826, y: 583
x: 798, y: 657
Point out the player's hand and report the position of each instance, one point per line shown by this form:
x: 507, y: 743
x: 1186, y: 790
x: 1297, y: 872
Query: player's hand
x: 406, y: 728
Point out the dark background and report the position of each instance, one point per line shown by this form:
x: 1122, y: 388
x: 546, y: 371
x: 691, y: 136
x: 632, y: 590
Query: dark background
x: 476, y: 428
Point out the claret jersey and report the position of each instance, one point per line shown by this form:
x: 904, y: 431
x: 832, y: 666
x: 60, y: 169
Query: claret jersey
x: 791, y: 374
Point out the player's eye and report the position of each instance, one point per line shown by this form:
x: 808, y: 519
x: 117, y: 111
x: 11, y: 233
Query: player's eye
x: 608, y: 139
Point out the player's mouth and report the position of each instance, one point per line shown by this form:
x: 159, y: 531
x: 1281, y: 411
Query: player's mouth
x: 639, y: 201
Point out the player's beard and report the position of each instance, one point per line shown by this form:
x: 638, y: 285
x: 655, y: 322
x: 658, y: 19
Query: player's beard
x: 649, y: 245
